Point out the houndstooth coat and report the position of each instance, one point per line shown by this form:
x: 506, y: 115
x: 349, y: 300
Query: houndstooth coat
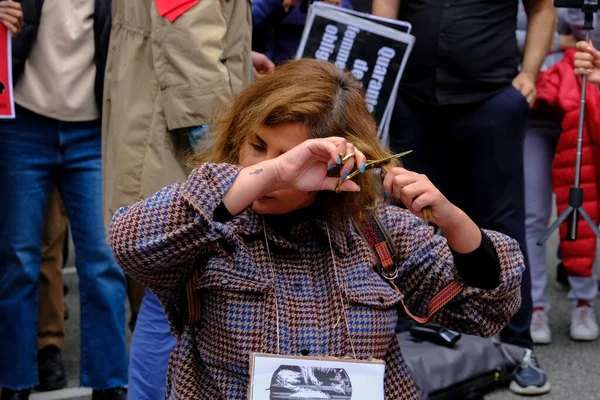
x: 161, y: 240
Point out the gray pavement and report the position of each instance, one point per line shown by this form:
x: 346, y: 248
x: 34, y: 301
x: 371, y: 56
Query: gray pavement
x: 571, y: 366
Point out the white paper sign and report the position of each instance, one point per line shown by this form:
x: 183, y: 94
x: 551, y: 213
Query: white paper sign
x: 274, y: 377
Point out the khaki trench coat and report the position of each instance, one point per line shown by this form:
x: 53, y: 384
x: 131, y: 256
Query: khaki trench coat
x: 160, y: 77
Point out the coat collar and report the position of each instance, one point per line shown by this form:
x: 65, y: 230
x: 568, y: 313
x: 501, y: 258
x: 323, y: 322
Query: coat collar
x: 291, y: 230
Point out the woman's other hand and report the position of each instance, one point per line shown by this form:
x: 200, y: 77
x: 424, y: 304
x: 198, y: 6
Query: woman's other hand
x: 587, y: 62
x: 11, y: 15
x: 416, y: 192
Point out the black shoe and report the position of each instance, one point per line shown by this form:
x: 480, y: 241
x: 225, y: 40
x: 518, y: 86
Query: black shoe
x: 8, y: 394
x: 110, y: 394
x: 51, y: 372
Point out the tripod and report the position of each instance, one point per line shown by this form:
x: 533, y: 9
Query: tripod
x: 576, y: 192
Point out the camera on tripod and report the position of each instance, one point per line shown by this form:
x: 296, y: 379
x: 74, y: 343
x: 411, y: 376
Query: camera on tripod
x: 581, y: 4
x: 587, y: 6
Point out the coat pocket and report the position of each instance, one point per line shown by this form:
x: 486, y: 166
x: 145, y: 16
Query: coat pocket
x: 233, y: 306
x: 372, y: 314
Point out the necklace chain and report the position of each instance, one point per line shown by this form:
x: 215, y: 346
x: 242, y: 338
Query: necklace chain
x: 337, y: 282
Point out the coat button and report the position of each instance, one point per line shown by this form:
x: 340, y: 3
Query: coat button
x: 304, y: 352
x: 225, y: 282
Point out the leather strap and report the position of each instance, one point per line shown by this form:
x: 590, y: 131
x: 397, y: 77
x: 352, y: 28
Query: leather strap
x: 377, y: 238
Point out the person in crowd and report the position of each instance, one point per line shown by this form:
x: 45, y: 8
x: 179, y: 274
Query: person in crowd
x: 159, y: 101
x: 541, y: 136
x: 463, y: 71
x: 267, y: 249
x: 56, y: 139
x: 575, y: 19
x: 51, y: 329
x: 276, y: 32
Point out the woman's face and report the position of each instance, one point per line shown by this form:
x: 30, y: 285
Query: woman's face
x: 269, y: 143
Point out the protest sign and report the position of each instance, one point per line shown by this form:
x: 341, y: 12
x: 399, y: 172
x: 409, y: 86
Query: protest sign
x: 7, y: 105
x: 376, y: 54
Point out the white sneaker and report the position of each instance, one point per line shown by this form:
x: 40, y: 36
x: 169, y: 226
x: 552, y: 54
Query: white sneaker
x: 583, y: 322
x: 540, y: 331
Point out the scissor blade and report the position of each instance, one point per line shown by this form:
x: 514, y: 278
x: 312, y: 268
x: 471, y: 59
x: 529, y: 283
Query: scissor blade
x: 383, y: 160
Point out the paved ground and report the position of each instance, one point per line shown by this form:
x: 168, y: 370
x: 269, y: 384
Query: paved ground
x: 572, y: 367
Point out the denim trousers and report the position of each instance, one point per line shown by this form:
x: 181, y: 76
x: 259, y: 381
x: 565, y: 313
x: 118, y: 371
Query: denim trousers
x: 473, y: 153
x: 36, y: 152
x: 148, y: 369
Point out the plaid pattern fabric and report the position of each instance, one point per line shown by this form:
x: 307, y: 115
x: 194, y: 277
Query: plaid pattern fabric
x: 161, y: 240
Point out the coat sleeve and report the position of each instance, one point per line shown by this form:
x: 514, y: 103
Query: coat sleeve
x: 201, y: 59
x: 156, y: 240
x: 266, y: 14
x: 426, y: 266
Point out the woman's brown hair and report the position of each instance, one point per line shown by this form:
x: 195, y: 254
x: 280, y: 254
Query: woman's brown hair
x: 327, y: 100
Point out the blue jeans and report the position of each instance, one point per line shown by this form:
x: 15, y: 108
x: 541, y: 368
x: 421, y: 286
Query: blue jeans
x: 36, y: 151
x: 473, y: 153
x: 151, y: 346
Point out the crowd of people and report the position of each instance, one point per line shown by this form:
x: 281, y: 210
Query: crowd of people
x: 223, y: 190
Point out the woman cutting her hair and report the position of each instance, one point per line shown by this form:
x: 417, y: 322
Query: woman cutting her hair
x: 275, y: 261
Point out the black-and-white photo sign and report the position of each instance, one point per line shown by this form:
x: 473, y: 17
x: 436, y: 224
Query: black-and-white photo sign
x: 276, y: 377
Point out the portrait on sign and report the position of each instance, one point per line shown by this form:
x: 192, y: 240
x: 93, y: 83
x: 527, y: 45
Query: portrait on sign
x: 274, y: 377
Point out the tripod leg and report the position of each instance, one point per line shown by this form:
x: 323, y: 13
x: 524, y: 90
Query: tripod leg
x: 554, y: 226
x: 591, y: 223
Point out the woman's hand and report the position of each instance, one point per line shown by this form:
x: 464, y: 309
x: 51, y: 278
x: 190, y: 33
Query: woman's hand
x: 11, y: 16
x: 288, y: 4
x: 305, y: 166
x: 417, y: 192
x: 337, y: 3
x: 587, y: 62
x: 261, y: 65
x: 302, y: 168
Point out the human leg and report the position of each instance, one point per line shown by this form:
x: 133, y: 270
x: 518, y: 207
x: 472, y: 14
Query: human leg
x: 583, y: 318
x: 148, y: 369
x: 487, y: 142
x: 101, y: 281
x: 135, y: 295
x: 51, y: 330
x: 51, y: 311
x: 28, y: 146
x: 488, y: 165
x: 540, y: 140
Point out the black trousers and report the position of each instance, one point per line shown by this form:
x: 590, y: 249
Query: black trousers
x: 474, y: 154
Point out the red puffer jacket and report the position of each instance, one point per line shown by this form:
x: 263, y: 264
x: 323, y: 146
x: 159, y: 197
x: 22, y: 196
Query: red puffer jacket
x: 560, y: 88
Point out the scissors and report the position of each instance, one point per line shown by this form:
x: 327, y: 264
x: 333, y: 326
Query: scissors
x: 428, y: 214
x: 370, y: 164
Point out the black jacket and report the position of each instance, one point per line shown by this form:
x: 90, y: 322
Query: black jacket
x: 22, y: 44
